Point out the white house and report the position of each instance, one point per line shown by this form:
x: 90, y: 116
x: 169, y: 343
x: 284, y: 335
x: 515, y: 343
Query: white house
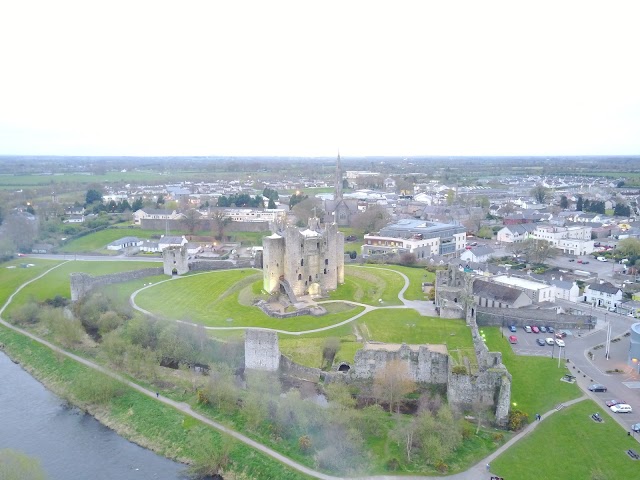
x: 155, y: 214
x: 124, y: 242
x: 538, y: 292
x: 603, y: 294
x: 75, y: 219
x: 169, y: 241
x: 566, y: 290
x: 515, y: 233
x: 477, y: 255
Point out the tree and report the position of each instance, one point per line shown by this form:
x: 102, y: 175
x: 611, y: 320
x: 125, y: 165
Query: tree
x: 564, y: 202
x: 18, y: 466
x: 622, y: 210
x: 209, y: 458
x: 331, y: 347
x: 297, y: 198
x: 191, y: 220
x: 579, y: 204
x: 451, y: 196
x: 392, y: 383
x: 306, y: 209
x: 539, y: 193
x: 485, y: 232
x: 137, y: 204
x: 372, y: 219
x: 93, y: 196
x: 272, y: 204
x: 160, y: 201
x: 629, y: 247
x: 438, y: 436
x: 220, y: 222
x: 7, y: 249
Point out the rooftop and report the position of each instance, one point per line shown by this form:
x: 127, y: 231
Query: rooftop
x: 520, y: 282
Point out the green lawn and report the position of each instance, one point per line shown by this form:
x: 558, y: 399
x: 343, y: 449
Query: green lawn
x: 536, y: 385
x: 569, y: 446
x: 219, y: 299
x: 408, y: 326
x: 12, y: 278
x: 57, y: 282
x: 369, y: 285
x: 416, y: 275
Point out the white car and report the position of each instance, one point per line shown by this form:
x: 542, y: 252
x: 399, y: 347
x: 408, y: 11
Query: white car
x: 549, y: 340
x: 559, y: 342
x: 621, y: 408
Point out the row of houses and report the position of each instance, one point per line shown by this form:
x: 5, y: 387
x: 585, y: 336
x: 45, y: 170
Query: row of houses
x: 571, y: 240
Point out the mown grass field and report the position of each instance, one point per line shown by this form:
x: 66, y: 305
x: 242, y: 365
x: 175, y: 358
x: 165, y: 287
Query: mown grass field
x: 222, y: 299
x: 536, y: 385
x: 307, y: 349
x: 404, y: 325
x: 57, y: 282
x: 139, y: 417
x: 369, y: 286
x: 12, y: 278
x: 99, y: 240
x: 416, y: 276
x: 569, y: 446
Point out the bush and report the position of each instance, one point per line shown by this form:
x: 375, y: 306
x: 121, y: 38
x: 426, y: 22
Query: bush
x: 517, y: 420
x: 459, y: 370
x: 27, y: 314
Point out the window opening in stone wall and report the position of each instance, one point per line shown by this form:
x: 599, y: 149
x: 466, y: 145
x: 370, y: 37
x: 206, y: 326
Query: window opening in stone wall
x: 299, y: 276
x: 318, y: 245
x: 302, y: 262
x: 326, y: 261
x: 325, y: 271
x: 310, y: 278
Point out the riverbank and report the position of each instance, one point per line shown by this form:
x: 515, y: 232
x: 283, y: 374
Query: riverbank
x: 136, y: 416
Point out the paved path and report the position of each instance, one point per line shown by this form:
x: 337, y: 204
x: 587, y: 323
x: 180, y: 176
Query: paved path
x: 477, y: 472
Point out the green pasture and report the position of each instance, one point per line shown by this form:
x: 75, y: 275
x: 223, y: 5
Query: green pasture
x: 57, y: 282
x: 568, y: 446
x: 404, y: 325
x: 12, y: 278
x: 536, y: 385
x: 224, y: 299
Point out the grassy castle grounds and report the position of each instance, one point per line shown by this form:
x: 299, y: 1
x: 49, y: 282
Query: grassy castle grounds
x: 223, y: 299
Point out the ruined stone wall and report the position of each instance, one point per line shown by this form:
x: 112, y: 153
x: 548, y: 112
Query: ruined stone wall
x: 425, y: 365
x: 509, y: 316
x: 207, y: 265
x: 289, y: 367
x: 83, y: 283
x: 175, y: 259
x: 261, y: 351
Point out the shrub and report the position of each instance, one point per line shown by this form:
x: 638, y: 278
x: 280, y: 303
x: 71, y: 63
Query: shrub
x: 441, y: 466
x: 392, y: 464
x: 497, y: 437
x: 517, y: 420
x: 304, y: 443
x: 459, y: 370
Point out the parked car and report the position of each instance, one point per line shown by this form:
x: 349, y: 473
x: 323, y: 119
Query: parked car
x: 543, y: 329
x: 512, y: 328
x: 550, y: 329
x: 621, y: 408
x: 513, y: 339
x: 597, y: 387
x: 559, y: 342
x: 579, y: 261
x: 572, y: 259
x: 535, y: 329
x: 611, y: 403
x: 540, y: 342
x: 561, y: 334
x: 527, y: 328
x: 549, y: 340
x: 635, y: 427
x: 585, y: 262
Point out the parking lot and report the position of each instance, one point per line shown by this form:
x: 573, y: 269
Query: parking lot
x: 527, y: 342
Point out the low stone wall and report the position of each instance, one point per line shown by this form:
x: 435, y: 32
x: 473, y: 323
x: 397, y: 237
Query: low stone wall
x: 292, y: 369
x: 315, y: 311
x: 507, y: 316
x: 208, y: 265
x: 83, y: 283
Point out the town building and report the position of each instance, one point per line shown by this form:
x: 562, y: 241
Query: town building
x: 155, y: 214
x: 423, y: 238
x: 603, y: 294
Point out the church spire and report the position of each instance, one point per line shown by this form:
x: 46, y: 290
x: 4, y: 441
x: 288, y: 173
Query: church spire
x: 338, y: 189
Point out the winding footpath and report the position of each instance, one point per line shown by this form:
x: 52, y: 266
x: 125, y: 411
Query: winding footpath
x: 477, y: 472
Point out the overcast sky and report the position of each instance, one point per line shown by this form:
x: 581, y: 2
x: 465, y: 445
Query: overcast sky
x: 311, y: 78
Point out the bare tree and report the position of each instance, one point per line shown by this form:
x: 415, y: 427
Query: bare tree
x: 392, y: 382
x: 372, y: 219
x: 307, y: 208
x: 191, y: 220
x: 220, y: 222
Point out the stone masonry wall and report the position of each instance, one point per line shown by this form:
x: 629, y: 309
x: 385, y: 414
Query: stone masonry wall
x: 261, y: 351
x: 509, y: 316
x: 204, y: 225
x: 425, y: 365
x: 83, y: 283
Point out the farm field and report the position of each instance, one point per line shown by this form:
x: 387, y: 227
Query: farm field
x: 12, y: 275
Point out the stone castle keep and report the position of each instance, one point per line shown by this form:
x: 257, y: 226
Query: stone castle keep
x: 303, y: 262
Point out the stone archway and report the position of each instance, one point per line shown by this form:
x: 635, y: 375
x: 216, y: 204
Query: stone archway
x: 344, y: 367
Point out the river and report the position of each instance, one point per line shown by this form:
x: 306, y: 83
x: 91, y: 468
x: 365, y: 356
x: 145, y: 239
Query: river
x: 69, y: 443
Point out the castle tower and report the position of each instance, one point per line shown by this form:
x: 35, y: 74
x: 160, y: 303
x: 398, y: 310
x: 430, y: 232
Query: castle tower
x: 175, y: 260
x: 338, y: 188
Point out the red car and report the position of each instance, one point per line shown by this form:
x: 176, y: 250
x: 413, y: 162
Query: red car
x: 611, y: 403
x: 535, y: 329
x: 561, y: 335
x: 513, y: 339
